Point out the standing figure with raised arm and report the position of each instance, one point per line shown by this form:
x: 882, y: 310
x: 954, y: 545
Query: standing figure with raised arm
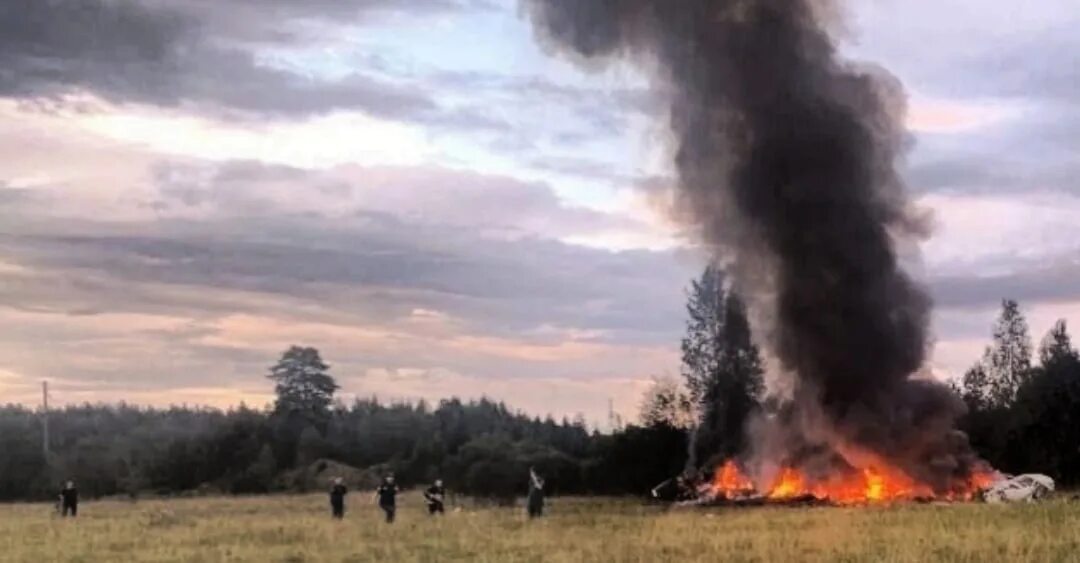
x: 535, y: 500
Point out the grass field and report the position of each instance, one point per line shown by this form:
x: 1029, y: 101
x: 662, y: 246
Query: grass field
x: 298, y: 528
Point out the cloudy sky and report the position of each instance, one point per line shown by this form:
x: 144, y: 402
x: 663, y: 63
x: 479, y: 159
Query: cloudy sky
x: 187, y: 187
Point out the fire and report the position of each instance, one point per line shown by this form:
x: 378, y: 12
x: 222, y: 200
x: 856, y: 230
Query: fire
x: 789, y: 484
x: 873, y: 484
x: 732, y: 481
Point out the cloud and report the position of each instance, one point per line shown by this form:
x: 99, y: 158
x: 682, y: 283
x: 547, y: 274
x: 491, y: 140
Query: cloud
x: 198, y: 54
x: 489, y: 205
x: 1035, y: 283
x: 1007, y: 74
x: 584, y: 168
x: 951, y: 117
x: 283, y: 21
x: 243, y: 62
x: 972, y: 48
x: 571, y: 113
x: 986, y: 235
x: 1041, y: 65
x: 496, y: 284
x: 1035, y: 154
x: 980, y: 174
x: 220, y: 265
x: 174, y: 207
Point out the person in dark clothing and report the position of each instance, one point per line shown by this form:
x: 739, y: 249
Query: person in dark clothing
x: 435, y: 496
x: 387, y: 496
x: 69, y: 500
x: 535, y: 500
x: 337, y: 498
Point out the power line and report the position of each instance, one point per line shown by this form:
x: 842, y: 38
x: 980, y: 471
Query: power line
x: 45, y: 420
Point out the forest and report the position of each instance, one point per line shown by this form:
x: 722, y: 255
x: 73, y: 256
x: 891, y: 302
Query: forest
x: 1023, y: 415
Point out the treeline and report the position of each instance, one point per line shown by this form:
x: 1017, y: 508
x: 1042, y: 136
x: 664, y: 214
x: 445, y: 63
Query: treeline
x: 480, y: 448
x: 1023, y: 415
x: 1024, y: 403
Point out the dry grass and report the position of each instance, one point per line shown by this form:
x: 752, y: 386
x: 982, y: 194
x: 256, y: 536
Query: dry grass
x: 298, y: 528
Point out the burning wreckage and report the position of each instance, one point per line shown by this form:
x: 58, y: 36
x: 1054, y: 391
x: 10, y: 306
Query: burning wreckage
x: 785, y: 162
x: 730, y: 486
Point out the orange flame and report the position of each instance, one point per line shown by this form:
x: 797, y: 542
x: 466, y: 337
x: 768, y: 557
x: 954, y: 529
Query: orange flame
x: 790, y: 483
x: 731, y: 482
x: 872, y: 484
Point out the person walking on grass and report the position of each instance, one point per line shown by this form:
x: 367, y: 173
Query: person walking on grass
x: 535, y: 500
x: 387, y: 497
x: 337, y: 498
x: 435, y: 496
x: 69, y: 500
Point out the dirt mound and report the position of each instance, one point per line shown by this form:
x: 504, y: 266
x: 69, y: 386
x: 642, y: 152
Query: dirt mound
x: 319, y: 474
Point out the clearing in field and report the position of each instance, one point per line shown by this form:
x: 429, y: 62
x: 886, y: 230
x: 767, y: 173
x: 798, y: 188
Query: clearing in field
x: 299, y: 528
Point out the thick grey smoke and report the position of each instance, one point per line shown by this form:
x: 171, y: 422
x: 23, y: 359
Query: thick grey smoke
x: 786, y: 158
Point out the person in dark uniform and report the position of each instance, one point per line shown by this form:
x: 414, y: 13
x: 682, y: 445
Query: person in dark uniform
x: 387, y: 496
x: 535, y: 501
x: 337, y: 498
x: 435, y: 496
x: 69, y: 500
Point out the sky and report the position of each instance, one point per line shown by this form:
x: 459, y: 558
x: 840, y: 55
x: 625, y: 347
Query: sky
x: 419, y: 190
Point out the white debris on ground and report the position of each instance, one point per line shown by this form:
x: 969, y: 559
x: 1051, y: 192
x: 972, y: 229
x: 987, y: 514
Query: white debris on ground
x: 1029, y: 487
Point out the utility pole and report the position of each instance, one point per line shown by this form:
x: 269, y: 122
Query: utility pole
x: 45, y: 419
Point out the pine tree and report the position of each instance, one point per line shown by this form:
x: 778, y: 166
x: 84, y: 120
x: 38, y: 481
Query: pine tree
x: 1008, y: 361
x: 1047, y: 411
x: 742, y: 367
x: 1056, y: 348
x: 302, y: 384
x: 975, y: 388
x: 704, y: 332
x: 722, y: 367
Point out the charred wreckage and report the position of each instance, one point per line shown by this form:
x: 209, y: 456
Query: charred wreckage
x: 729, y: 488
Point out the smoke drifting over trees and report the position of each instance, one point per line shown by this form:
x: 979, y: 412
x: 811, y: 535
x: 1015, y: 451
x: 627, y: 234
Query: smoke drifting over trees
x: 786, y: 159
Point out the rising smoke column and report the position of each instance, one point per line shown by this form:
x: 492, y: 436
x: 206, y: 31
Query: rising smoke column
x: 786, y: 159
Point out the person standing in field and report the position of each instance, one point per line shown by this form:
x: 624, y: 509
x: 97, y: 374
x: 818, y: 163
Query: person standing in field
x: 435, y: 496
x: 337, y: 498
x: 69, y: 500
x: 535, y: 500
x: 387, y: 497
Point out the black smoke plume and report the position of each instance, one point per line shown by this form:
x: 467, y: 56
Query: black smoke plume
x: 787, y: 166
